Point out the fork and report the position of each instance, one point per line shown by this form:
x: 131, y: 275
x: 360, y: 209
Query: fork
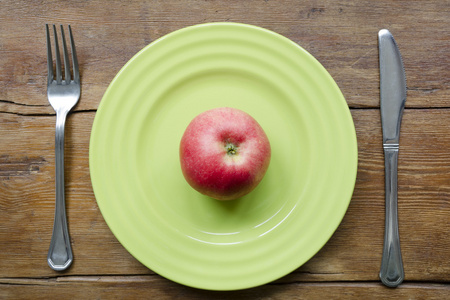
x: 63, y: 95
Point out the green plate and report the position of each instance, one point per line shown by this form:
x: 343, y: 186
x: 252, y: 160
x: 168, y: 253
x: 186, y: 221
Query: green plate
x: 190, y: 238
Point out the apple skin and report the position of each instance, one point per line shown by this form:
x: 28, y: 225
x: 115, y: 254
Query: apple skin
x: 224, y: 153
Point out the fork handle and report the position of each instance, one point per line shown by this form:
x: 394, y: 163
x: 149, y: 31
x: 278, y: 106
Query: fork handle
x: 391, y: 272
x: 60, y: 255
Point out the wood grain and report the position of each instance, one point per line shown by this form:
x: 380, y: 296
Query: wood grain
x: 353, y: 253
x: 138, y: 287
x: 341, y: 35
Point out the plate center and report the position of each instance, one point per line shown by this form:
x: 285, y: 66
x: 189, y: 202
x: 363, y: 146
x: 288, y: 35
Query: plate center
x: 162, y: 127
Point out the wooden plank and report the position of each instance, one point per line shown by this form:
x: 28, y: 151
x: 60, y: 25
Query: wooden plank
x: 342, y: 36
x: 27, y: 199
x: 353, y: 253
x: 145, y: 287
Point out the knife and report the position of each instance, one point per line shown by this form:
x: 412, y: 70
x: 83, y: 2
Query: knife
x: 392, y: 103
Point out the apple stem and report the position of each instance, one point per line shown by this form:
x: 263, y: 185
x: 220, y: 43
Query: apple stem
x: 231, y: 149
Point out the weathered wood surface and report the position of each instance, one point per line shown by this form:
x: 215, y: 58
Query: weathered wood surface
x: 149, y: 287
x: 341, y: 35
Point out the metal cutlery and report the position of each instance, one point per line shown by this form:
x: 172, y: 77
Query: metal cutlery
x: 63, y: 94
x: 392, y: 103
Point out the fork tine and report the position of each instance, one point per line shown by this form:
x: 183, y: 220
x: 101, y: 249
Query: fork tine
x: 58, y: 57
x: 49, y: 56
x: 76, y: 73
x: 66, y: 57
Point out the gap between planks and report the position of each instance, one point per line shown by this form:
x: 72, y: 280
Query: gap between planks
x: 154, y: 277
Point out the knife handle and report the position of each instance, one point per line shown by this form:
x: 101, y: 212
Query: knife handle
x: 391, y: 272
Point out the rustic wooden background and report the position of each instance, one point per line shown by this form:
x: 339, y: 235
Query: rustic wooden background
x: 342, y: 35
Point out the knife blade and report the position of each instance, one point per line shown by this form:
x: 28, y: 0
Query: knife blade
x: 392, y: 104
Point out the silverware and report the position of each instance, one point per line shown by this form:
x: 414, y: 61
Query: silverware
x: 63, y: 94
x: 392, y: 103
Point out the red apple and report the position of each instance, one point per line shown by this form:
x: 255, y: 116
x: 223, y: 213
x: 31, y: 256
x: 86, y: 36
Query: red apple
x: 224, y: 153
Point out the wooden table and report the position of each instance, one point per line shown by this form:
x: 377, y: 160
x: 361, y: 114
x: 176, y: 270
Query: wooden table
x: 342, y: 35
